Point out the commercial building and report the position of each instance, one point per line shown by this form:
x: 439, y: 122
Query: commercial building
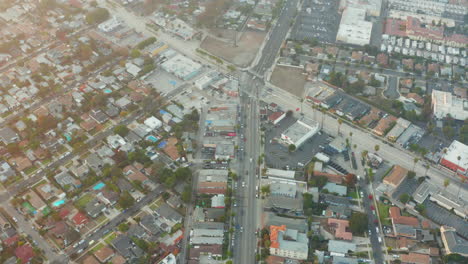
x: 288, y: 243
x: 318, y: 91
x: 222, y: 119
x: 400, y: 126
x: 372, y: 7
x: 354, y: 29
x: 300, y: 132
x: 110, y: 25
x: 182, y: 67
x: 396, y: 176
x: 445, y: 103
x: 456, y: 158
x: 450, y: 203
x: 453, y: 243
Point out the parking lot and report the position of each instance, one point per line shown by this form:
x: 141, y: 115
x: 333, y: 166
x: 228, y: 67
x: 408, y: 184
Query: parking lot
x: 277, y: 155
x: 318, y: 20
x: 407, y: 186
x: 444, y: 217
x: 163, y: 81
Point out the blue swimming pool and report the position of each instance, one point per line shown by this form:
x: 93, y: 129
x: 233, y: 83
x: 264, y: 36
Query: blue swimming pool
x: 107, y: 91
x: 58, y: 203
x: 152, y: 138
x: 99, y: 186
x: 68, y: 137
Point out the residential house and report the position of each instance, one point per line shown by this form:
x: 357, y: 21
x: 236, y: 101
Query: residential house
x: 340, y: 248
x: 8, y: 136
x: 65, y: 180
x: 94, y: 208
x: 104, y: 254
x: 415, y: 258
x: 168, y: 214
x: 125, y: 247
x: 340, y: 228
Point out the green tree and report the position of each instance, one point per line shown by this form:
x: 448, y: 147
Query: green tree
x: 123, y: 227
x: 291, y: 147
x: 97, y: 16
x: 358, y: 223
x: 404, y: 198
x: 266, y: 189
x: 121, y: 130
x: 126, y: 200
x: 411, y: 174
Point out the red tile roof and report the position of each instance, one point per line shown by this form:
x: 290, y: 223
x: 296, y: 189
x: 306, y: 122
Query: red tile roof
x: 415, y: 258
x: 274, y: 235
x: 25, y: 253
x: 340, y: 227
x: 79, y: 219
x: 397, y: 218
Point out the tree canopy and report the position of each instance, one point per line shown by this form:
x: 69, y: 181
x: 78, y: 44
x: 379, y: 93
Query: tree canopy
x: 97, y: 16
x: 358, y: 223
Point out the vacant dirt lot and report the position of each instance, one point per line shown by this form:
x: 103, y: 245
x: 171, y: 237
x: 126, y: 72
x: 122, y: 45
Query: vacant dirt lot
x: 289, y: 79
x: 241, y: 55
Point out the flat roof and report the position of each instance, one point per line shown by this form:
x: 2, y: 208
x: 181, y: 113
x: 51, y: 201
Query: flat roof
x: 455, y: 150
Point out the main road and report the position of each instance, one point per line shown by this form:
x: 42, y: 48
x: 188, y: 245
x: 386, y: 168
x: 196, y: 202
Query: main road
x: 251, y: 82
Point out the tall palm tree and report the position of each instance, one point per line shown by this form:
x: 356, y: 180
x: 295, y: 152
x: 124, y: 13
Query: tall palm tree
x: 376, y: 147
x: 427, y: 166
x: 351, y: 137
x: 463, y: 180
x: 446, y: 183
x: 340, y: 121
x: 364, y: 153
x: 415, y: 160
x: 458, y: 164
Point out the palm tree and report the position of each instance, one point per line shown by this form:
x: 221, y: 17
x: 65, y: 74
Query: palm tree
x: 364, y: 154
x: 351, y: 136
x: 415, y: 160
x: 446, y: 183
x: 376, y: 147
x: 340, y: 121
x: 458, y: 165
x: 463, y: 180
x: 427, y: 166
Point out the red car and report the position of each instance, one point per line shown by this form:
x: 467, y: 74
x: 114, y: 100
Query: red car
x: 370, y: 196
x: 372, y: 207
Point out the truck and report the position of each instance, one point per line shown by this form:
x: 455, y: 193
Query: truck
x: 322, y: 157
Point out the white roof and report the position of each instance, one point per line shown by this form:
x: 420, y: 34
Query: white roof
x: 455, y: 150
x: 353, y: 27
x: 445, y: 103
x: 152, y: 122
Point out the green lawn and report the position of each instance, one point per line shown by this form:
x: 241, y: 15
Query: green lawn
x: 84, y: 200
x: 97, y: 247
x: 30, y: 170
x: 110, y: 238
x: 384, y: 214
x: 101, y: 219
x: 46, y: 161
x: 354, y: 195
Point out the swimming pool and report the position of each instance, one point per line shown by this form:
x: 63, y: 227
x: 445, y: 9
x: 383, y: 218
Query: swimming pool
x: 152, y: 138
x: 68, y: 137
x: 107, y: 91
x: 99, y: 186
x: 58, y: 203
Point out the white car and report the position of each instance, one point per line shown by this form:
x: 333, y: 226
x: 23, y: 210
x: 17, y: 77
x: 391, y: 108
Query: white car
x: 243, y: 184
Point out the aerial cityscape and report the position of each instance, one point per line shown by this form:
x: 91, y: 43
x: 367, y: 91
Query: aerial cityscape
x: 233, y: 131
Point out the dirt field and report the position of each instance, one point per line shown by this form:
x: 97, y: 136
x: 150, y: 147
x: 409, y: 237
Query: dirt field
x: 289, y: 79
x: 241, y: 55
